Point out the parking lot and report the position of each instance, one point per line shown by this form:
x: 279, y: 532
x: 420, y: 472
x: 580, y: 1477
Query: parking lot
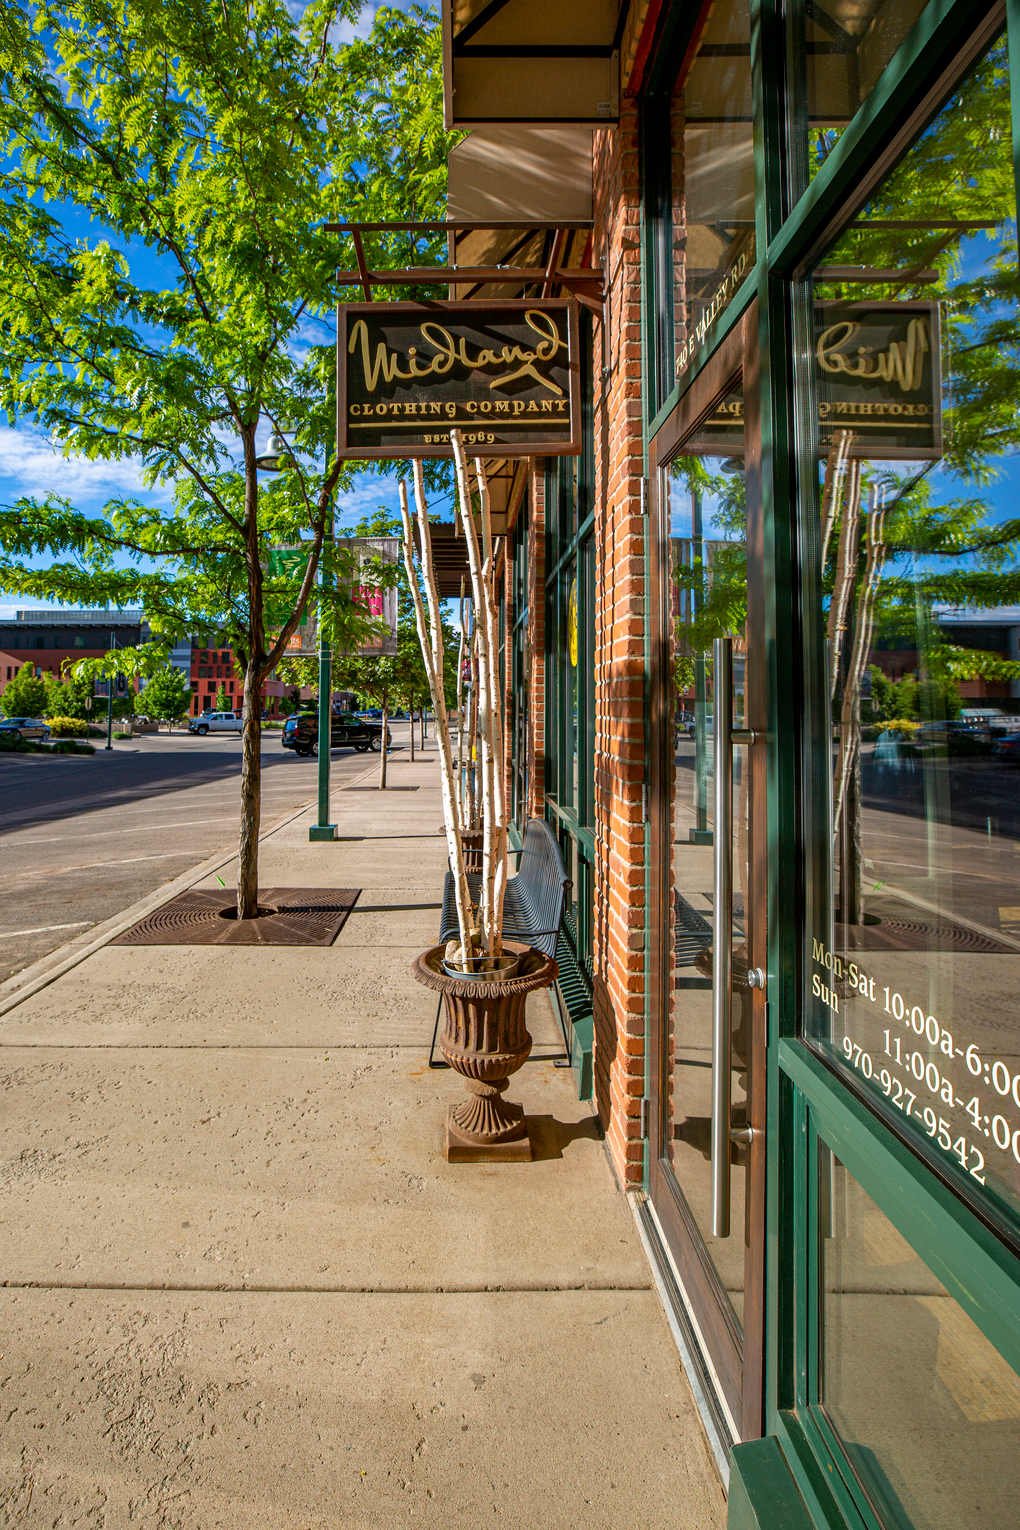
x: 83, y: 837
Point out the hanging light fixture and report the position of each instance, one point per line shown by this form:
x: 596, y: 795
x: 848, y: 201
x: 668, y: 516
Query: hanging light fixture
x: 271, y: 460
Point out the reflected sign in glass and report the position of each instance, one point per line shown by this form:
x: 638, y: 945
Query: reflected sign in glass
x: 877, y: 370
x: 504, y: 374
x: 877, y: 381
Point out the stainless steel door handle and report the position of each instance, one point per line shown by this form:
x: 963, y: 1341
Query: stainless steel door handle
x: 722, y: 931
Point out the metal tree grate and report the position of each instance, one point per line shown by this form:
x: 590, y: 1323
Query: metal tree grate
x: 897, y: 934
x: 294, y: 916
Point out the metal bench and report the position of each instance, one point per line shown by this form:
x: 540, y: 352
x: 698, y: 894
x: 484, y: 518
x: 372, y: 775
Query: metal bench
x: 532, y: 908
x: 693, y: 933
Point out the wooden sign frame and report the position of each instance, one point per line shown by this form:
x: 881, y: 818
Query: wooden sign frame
x: 422, y: 403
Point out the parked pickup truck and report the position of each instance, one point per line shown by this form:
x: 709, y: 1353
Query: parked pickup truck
x: 216, y: 722
x: 301, y: 733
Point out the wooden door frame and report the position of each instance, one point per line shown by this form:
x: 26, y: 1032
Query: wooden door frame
x: 737, y: 1361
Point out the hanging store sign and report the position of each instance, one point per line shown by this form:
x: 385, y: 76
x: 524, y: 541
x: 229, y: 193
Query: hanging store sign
x: 877, y: 379
x: 505, y: 374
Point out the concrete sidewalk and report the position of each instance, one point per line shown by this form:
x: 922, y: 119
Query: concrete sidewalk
x: 243, y: 1288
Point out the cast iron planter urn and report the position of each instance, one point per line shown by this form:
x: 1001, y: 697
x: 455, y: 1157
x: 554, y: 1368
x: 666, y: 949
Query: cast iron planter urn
x: 485, y: 1040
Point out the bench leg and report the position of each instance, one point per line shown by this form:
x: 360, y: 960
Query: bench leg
x: 433, y: 1063
x: 561, y: 1010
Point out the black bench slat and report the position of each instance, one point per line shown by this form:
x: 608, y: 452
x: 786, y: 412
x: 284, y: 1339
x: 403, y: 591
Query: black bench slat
x: 533, y: 905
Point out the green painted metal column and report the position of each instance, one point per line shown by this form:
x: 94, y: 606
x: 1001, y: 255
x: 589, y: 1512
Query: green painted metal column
x: 322, y: 829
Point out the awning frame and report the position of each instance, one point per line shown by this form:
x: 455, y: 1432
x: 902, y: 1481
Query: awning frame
x: 583, y: 282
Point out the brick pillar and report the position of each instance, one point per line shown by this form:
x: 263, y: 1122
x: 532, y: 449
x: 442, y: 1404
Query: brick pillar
x: 619, y: 979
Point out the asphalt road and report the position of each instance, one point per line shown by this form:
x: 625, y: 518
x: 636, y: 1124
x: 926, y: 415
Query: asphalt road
x: 82, y: 837
x: 947, y: 834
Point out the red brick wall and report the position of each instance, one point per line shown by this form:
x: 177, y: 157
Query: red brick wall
x: 619, y: 652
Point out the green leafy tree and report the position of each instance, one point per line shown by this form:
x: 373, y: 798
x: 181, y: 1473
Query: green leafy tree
x: 25, y: 695
x: 221, y: 701
x: 893, y: 698
x: 204, y: 143
x: 71, y: 696
x: 375, y: 678
x: 412, y: 680
x: 166, y: 695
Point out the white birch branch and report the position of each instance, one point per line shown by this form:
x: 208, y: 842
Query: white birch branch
x: 835, y: 465
x: 426, y: 638
x: 492, y: 934
x: 490, y: 548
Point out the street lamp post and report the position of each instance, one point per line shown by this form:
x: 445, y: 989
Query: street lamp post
x: 322, y: 829
x: 109, y: 696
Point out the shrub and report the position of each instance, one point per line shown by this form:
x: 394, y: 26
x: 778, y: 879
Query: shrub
x: 13, y: 745
x: 68, y: 727
x: 71, y: 746
x: 904, y: 724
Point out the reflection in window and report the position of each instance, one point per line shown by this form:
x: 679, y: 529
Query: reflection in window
x: 708, y: 600
x: 838, y: 49
x: 914, y: 952
x: 712, y: 200
x: 926, y: 1408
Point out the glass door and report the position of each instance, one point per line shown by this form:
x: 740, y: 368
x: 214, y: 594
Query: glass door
x: 907, y: 1062
x: 708, y: 1041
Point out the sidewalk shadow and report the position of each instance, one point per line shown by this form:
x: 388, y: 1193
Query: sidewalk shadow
x: 393, y: 908
x: 550, y: 1137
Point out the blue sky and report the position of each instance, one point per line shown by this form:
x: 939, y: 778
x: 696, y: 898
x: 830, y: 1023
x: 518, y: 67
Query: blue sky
x: 30, y: 464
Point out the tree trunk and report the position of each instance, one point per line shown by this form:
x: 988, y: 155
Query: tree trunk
x: 251, y: 726
x: 251, y: 797
x: 412, y: 731
x: 384, y: 753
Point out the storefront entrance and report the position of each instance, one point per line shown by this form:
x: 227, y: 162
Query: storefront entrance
x: 705, y: 1159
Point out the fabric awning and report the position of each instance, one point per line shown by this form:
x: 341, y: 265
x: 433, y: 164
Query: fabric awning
x: 531, y: 61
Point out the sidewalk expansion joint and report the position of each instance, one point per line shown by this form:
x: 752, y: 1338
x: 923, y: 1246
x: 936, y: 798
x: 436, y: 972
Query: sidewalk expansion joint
x: 480, y: 1288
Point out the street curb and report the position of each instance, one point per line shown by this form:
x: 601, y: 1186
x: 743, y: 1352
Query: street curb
x: 31, y: 980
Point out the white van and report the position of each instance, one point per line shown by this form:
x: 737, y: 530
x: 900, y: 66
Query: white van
x: 216, y: 722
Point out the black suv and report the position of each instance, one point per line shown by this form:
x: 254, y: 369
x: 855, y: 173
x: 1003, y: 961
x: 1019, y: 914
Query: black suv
x: 301, y: 733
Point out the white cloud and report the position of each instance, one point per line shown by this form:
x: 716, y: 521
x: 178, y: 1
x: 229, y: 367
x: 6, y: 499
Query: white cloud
x: 31, y: 464
x: 367, y: 496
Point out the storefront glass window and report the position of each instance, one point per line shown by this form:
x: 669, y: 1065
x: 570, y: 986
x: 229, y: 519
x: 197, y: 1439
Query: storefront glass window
x: 570, y: 672
x: 708, y: 600
x: 913, y: 945
x: 711, y: 203
x: 520, y: 681
x: 927, y: 1410
x: 838, y: 49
